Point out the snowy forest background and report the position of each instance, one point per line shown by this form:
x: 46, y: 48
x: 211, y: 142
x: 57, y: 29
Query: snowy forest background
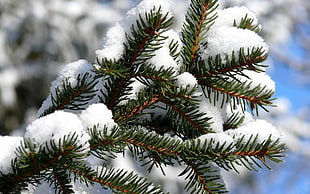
x: 37, y: 38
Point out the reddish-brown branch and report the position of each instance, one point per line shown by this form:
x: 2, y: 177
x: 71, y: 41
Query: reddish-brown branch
x: 182, y: 114
x: 154, y: 148
x: 248, y: 63
x: 236, y: 94
x: 139, y: 144
x: 75, y: 94
x: 59, y: 181
x: 40, y: 168
x: 116, y: 93
x: 201, y: 180
x: 102, y: 142
x: 199, y: 29
x: 252, y: 153
x: 100, y: 181
x: 151, y: 32
x: 144, y: 105
x: 150, y: 77
x: 36, y: 165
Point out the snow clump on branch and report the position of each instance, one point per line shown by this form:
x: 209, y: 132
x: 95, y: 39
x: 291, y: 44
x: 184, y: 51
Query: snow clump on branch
x: 55, y: 126
x: 8, y: 145
x: 97, y: 115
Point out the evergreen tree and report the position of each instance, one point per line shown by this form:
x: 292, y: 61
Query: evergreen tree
x: 169, y: 99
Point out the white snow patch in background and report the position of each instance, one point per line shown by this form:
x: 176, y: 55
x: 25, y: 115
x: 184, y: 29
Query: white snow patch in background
x: 55, y: 126
x: 8, y: 144
x: 283, y: 106
x: 262, y: 128
x: 97, y: 114
x: 9, y: 78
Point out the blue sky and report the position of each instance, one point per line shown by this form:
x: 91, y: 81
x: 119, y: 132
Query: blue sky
x: 287, y: 86
x: 288, y: 81
x: 293, y: 175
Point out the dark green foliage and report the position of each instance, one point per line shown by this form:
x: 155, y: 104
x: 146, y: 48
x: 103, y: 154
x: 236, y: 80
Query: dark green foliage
x: 233, y: 122
x: 247, y: 23
x: 219, y: 66
x: 51, y: 161
x: 199, y: 18
x: 203, y: 178
x: 104, y: 145
x: 72, y: 98
x: 121, y: 181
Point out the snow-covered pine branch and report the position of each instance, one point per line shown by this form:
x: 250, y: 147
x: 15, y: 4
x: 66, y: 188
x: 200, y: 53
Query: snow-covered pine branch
x: 168, y: 98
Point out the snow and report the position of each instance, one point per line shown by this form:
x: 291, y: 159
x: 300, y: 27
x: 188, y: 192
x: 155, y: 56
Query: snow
x: 55, y: 126
x: 217, y: 140
x: 279, y: 15
x: 143, y: 7
x: 257, y: 79
x: 186, y: 80
x: 136, y: 87
x: 259, y: 127
x: 70, y: 72
x: 283, y: 104
x: 99, y: 115
x: 227, y: 16
x: 113, y: 44
x: 162, y: 56
x: 8, y: 145
x: 224, y: 40
x: 9, y: 78
x: 213, y: 112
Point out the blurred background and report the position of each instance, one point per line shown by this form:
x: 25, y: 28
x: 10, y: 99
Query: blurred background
x: 38, y: 37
